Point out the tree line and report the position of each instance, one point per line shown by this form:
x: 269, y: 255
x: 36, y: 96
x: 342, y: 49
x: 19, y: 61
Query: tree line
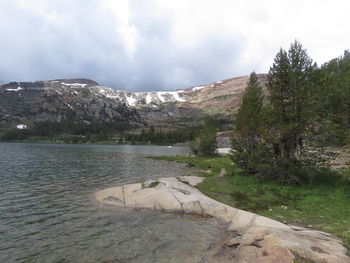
x: 70, y: 130
x: 200, y: 137
x: 160, y: 137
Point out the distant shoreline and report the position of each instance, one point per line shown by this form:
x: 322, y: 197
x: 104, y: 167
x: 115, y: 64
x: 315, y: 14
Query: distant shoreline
x: 92, y: 143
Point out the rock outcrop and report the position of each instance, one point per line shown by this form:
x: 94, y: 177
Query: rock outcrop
x: 250, y: 238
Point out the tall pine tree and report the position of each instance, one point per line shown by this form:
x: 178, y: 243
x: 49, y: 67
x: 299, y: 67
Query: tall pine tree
x: 246, y: 141
x: 290, y: 85
x: 249, y: 119
x: 334, y: 102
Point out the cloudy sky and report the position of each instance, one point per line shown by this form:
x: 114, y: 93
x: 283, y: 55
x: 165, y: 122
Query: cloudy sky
x: 162, y: 44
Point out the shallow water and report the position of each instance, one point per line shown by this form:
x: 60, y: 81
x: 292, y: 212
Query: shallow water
x: 48, y: 213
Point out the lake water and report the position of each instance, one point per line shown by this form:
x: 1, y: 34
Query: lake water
x: 48, y: 213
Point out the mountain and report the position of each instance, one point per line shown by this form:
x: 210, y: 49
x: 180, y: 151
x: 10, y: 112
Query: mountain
x: 87, y: 101
x: 23, y: 102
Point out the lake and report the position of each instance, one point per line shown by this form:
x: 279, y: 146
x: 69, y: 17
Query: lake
x: 48, y: 213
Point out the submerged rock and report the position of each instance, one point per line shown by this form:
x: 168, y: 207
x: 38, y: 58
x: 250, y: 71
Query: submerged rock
x: 251, y: 239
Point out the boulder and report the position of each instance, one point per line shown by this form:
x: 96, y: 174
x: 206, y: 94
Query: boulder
x: 251, y: 239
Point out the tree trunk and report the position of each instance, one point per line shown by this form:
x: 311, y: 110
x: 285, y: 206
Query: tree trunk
x: 290, y: 147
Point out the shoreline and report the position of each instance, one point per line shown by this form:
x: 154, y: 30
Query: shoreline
x: 249, y: 237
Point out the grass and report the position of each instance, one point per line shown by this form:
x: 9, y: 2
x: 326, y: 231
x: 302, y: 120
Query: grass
x: 210, y: 167
x: 323, y: 206
x: 150, y: 185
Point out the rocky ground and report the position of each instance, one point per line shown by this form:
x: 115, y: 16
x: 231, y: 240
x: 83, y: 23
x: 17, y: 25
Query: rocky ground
x: 341, y: 157
x: 250, y: 238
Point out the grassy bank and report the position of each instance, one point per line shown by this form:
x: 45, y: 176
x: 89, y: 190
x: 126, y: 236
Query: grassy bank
x: 323, y: 206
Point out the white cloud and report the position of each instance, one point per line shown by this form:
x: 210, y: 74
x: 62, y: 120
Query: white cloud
x: 265, y: 25
x: 128, y: 32
x: 157, y: 44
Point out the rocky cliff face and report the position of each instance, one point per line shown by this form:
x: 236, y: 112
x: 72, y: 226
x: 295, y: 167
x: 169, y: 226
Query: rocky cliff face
x: 54, y: 100
x: 85, y: 100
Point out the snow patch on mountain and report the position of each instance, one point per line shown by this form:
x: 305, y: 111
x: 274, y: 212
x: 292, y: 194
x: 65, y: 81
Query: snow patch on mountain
x: 148, y: 98
x: 21, y: 126
x: 197, y: 88
x: 74, y: 84
x: 134, y: 99
x: 177, y: 97
x: 18, y: 89
x: 131, y: 100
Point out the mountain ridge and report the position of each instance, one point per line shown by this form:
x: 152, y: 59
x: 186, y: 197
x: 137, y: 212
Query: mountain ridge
x: 85, y: 100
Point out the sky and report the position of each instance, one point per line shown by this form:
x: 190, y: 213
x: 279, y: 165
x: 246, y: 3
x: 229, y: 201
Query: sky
x: 151, y: 45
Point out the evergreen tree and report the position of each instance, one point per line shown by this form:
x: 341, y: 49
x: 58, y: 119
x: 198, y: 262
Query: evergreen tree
x: 249, y: 117
x: 290, y: 83
x: 333, y: 110
x: 246, y: 141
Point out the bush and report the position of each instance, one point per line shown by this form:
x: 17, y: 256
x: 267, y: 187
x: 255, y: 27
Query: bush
x: 205, y: 142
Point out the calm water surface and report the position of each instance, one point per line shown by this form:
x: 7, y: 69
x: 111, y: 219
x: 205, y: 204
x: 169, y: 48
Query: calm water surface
x: 48, y: 214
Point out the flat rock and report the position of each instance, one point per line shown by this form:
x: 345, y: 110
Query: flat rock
x: 260, y: 239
